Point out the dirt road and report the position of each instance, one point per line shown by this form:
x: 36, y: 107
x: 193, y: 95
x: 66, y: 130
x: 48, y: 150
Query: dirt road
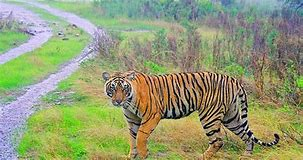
x: 14, y: 115
x: 35, y: 26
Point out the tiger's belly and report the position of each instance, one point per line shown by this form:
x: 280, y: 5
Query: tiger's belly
x: 176, y: 112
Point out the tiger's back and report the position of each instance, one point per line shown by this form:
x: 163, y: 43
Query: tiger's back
x: 178, y: 95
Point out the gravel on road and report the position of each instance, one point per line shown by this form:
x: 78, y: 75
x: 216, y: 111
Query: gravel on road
x: 14, y: 115
x: 37, y: 27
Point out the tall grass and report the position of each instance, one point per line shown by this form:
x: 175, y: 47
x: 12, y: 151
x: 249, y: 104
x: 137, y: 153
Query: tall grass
x: 82, y: 124
x: 10, y: 39
x: 96, y: 16
x: 34, y: 66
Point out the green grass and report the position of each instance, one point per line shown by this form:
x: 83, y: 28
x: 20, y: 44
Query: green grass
x: 36, y: 65
x: 10, y: 39
x: 94, y: 14
x: 33, y: 66
x: 77, y: 121
x: 84, y: 125
x: 44, y: 14
x: 40, y: 12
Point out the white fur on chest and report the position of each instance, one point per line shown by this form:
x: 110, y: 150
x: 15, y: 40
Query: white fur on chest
x: 133, y: 109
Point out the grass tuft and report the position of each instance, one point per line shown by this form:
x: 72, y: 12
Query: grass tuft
x: 92, y: 128
x: 10, y: 39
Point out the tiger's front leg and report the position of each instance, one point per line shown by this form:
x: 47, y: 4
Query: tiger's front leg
x: 133, y: 122
x: 147, y: 126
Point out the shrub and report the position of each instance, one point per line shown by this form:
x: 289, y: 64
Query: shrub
x: 234, y: 70
x: 154, y: 68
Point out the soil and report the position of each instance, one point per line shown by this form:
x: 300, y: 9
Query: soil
x: 13, y: 116
x: 34, y: 25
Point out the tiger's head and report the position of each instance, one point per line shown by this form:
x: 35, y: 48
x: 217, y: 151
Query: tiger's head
x: 118, y: 87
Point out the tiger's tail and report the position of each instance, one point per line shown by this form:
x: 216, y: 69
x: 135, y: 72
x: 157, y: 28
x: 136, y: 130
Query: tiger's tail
x: 244, y: 110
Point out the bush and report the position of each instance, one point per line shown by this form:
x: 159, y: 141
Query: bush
x: 300, y: 82
x: 234, y: 70
x: 154, y: 68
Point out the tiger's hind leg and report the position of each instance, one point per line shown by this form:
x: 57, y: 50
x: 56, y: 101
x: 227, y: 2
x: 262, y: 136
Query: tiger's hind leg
x: 238, y: 124
x: 212, y: 126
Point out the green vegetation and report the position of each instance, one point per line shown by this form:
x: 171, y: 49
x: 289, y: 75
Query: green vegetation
x: 11, y: 33
x: 41, y: 12
x: 79, y: 122
x: 154, y: 67
x: 36, y: 65
x: 10, y: 39
x: 93, y: 14
x: 164, y: 9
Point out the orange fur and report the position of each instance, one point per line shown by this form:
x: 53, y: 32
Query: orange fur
x: 148, y: 99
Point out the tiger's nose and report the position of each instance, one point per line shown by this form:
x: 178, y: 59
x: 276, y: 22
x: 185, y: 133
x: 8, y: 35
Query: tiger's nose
x: 119, y: 101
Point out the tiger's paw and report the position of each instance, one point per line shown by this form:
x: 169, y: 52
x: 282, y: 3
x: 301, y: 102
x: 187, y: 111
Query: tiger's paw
x: 143, y: 155
x: 132, y: 155
x: 202, y: 157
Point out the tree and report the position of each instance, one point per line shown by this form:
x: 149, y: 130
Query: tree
x: 227, y: 2
x: 293, y: 4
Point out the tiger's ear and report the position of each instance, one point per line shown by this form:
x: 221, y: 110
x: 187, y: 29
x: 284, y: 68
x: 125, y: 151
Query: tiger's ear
x: 131, y: 76
x: 105, y: 76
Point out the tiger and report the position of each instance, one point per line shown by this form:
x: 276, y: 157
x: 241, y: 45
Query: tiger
x: 220, y: 100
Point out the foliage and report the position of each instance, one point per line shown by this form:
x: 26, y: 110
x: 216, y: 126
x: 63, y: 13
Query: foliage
x: 96, y: 16
x: 155, y: 68
x: 9, y: 23
x: 259, y: 37
x: 160, y: 45
x: 296, y: 5
x: 167, y: 9
x: 11, y: 33
x: 33, y: 66
x: 234, y: 70
x: 263, y: 47
x: 91, y: 128
x: 300, y: 81
x: 10, y: 39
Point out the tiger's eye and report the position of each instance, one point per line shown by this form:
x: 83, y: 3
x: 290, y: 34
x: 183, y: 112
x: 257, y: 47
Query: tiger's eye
x: 112, y: 86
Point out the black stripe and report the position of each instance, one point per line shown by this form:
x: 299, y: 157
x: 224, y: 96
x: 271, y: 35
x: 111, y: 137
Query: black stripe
x: 173, y: 112
x: 244, y: 116
x: 201, y: 118
x: 213, y: 132
x: 249, y: 133
x: 217, y: 139
x: 242, y: 130
x: 143, y: 132
x: 203, y: 80
x: 214, y: 111
x: 244, y: 109
x: 142, y: 123
x: 145, y: 111
x: 231, y: 119
x: 132, y: 122
x: 197, y: 83
x: 168, y: 92
x: 210, y: 123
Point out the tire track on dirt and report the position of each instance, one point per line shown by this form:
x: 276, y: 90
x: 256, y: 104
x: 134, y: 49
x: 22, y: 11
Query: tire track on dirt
x: 69, y: 17
x: 14, y: 115
x: 36, y: 26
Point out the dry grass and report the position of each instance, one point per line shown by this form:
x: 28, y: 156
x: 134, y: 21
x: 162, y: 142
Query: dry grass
x: 91, y: 128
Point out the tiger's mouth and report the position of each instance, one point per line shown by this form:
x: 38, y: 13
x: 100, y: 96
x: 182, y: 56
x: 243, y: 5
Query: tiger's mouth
x: 118, y: 103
